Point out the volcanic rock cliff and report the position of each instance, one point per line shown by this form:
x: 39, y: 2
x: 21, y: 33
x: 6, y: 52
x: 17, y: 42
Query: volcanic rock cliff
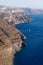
x: 14, y: 15
x: 10, y: 43
x: 10, y: 37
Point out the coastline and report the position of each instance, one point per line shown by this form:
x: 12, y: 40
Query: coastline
x: 11, y: 39
x: 10, y: 42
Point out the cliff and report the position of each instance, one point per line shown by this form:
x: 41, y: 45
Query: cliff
x: 10, y: 42
x: 14, y: 15
x: 33, y: 11
x: 10, y: 37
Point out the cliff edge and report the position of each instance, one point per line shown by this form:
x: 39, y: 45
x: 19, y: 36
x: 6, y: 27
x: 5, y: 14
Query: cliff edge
x: 10, y: 42
x: 10, y: 37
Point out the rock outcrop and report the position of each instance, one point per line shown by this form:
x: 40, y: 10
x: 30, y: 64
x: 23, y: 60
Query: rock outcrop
x: 14, y: 15
x: 33, y: 11
x: 10, y: 42
x: 10, y: 37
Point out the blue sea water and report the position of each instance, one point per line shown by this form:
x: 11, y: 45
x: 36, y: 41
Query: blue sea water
x: 32, y: 54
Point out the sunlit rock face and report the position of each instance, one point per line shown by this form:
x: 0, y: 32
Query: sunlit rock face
x: 6, y: 56
x: 10, y: 42
x: 10, y: 37
x: 14, y: 15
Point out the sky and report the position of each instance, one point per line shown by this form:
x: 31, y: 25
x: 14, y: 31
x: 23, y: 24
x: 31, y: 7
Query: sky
x: 23, y: 3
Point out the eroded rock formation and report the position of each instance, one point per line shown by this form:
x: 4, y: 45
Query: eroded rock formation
x: 10, y: 42
x: 10, y: 37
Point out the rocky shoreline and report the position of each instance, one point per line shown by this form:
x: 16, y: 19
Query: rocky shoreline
x: 10, y: 37
x: 10, y: 42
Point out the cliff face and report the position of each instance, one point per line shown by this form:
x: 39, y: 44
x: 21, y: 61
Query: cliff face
x: 33, y: 11
x: 14, y: 15
x: 10, y: 42
x: 10, y: 37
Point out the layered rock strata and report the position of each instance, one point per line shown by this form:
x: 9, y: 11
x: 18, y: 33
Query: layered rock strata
x: 10, y: 43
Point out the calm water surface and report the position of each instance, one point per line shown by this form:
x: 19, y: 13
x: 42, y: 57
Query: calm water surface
x: 32, y: 54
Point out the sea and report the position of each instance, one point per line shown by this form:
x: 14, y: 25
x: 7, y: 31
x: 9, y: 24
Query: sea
x: 32, y: 53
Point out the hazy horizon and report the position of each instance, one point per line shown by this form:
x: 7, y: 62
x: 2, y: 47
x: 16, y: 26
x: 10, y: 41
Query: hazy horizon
x: 34, y: 4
